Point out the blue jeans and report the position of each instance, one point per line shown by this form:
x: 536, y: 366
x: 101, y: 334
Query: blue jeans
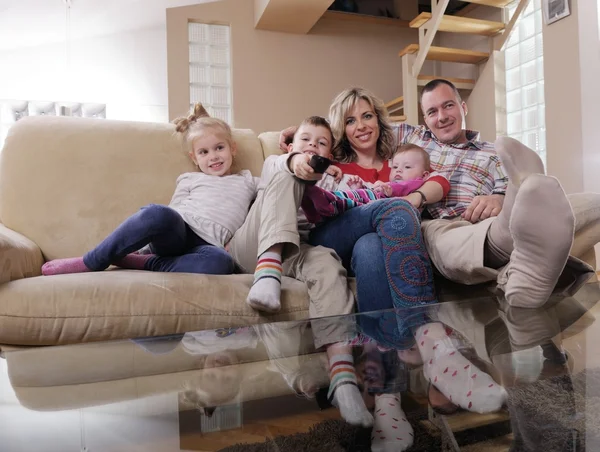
x: 177, y: 247
x: 381, y: 243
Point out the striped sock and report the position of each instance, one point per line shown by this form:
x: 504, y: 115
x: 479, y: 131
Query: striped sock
x: 344, y: 393
x: 266, y: 289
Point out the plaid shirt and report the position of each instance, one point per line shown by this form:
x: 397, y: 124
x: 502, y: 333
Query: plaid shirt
x: 472, y: 168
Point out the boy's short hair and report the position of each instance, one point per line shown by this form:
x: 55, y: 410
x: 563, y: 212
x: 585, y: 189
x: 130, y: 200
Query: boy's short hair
x: 413, y: 147
x: 317, y: 121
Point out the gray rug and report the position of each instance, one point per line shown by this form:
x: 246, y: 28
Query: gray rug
x: 550, y: 415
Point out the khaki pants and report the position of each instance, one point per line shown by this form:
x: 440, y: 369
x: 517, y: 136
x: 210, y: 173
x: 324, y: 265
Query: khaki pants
x: 273, y: 219
x: 456, y: 248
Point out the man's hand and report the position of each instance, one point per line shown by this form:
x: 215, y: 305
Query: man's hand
x: 335, y: 171
x: 286, y: 137
x: 483, y: 207
x: 301, y: 169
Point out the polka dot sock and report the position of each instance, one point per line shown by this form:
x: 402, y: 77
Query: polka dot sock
x: 391, y: 430
x: 455, y: 376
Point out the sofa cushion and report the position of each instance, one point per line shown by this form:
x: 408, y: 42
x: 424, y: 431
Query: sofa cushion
x: 66, y: 183
x: 120, y: 304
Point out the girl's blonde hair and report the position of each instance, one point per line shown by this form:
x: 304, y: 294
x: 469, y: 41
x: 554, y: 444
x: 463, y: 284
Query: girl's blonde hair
x: 342, y: 104
x: 192, y: 125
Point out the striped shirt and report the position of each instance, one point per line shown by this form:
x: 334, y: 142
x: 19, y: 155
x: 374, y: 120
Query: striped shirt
x: 214, y: 207
x: 473, y: 168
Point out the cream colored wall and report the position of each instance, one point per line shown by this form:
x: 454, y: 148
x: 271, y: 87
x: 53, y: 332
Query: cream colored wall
x: 484, y: 104
x: 280, y: 78
x: 563, y: 101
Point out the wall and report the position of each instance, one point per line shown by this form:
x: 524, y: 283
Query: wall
x: 126, y: 70
x: 280, y: 78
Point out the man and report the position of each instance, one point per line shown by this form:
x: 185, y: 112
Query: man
x: 503, y: 219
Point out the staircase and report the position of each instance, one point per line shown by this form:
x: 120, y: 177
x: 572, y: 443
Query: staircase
x: 406, y: 107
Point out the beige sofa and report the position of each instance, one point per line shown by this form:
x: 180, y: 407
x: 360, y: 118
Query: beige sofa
x: 65, y: 183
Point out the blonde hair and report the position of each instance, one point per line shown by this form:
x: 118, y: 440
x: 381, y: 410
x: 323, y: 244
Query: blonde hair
x: 413, y: 147
x: 197, y: 120
x: 342, y: 104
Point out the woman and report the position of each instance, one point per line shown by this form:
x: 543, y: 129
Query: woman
x: 381, y: 243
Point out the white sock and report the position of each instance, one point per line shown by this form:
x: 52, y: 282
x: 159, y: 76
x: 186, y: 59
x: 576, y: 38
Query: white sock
x: 265, y: 292
x: 344, y: 393
x: 391, y: 430
x: 455, y: 376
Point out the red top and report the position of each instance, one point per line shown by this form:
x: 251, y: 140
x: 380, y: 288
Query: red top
x: 371, y: 175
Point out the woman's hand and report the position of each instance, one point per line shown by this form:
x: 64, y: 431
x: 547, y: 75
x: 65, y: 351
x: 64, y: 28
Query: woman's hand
x: 286, y: 137
x: 301, y: 169
x: 414, y: 198
x: 335, y: 171
x: 382, y: 187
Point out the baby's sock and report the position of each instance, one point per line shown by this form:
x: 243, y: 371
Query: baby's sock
x: 318, y: 203
x: 454, y: 375
x: 134, y: 261
x: 344, y: 393
x: 391, y: 431
x: 63, y: 266
x: 266, y: 290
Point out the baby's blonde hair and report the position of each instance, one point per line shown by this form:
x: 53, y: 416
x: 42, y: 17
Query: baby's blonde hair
x: 197, y: 120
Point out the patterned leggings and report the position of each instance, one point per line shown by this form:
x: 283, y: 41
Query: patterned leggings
x: 406, y: 278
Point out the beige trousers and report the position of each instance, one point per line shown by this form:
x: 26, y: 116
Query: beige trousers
x: 456, y: 248
x: 273, y: 219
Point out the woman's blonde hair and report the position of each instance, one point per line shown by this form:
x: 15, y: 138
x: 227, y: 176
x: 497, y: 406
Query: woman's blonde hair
x: 196, y: 121
x: 338, y: 112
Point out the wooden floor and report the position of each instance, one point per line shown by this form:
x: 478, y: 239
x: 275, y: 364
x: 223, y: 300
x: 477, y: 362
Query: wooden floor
x: 265, y: 422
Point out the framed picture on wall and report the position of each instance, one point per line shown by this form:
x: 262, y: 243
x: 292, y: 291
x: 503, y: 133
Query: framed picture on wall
x: 555, y: 10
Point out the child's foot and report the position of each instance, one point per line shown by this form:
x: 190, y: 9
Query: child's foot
x: 64, y: 266
x: 463, y: 383
x: 344, y: 393
x: 391, y: 431
x: 134, y: 261
x: 265, y: 292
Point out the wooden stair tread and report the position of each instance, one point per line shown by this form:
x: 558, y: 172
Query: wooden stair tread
x: 401, y: 118
x: 495, y: 3
x: 458, y: 24
x: 465, y: 420
x: 499, y: 444
x: 448, y: 54
x: 395, y: 104
x: 460, y: 83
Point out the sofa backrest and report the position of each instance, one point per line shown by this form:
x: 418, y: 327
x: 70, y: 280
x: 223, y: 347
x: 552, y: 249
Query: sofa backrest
x: 66, y: 183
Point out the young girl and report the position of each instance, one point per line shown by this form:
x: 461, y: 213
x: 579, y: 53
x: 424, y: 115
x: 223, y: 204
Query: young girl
x: 189, y: 235
x: 207, y: 214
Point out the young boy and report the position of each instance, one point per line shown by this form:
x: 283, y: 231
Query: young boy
x: 410, y: 169
x: 328, y: 289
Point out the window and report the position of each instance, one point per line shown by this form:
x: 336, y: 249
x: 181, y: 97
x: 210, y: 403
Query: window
x: 525, y: 106
x: 13, y: 110
x: 210, y: 69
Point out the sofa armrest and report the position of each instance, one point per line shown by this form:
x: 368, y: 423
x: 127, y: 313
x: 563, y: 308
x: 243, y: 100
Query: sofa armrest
x: 19, y: 256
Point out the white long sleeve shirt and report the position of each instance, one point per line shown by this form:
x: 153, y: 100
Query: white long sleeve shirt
x: 214, y: 207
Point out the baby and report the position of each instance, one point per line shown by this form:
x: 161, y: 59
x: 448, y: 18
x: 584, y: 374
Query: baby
x: 410, y: 169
